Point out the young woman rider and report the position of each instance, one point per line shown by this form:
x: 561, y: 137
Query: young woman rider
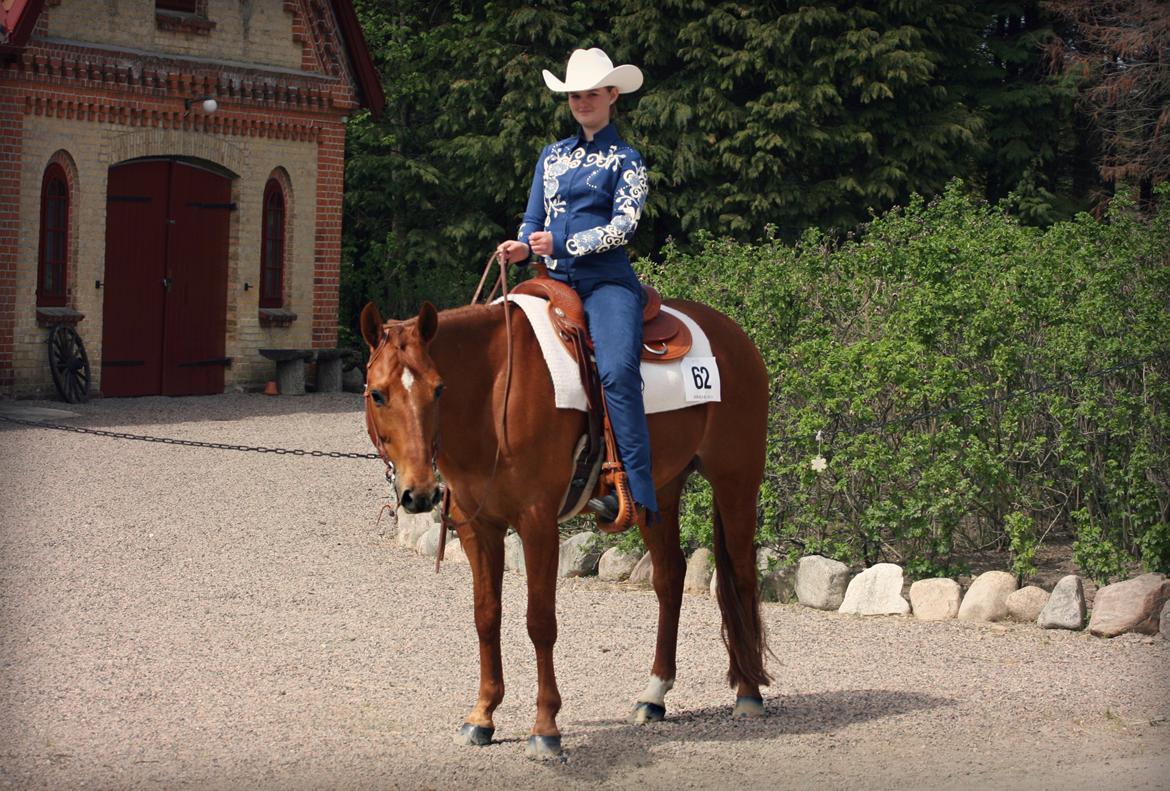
x: 587, y: 195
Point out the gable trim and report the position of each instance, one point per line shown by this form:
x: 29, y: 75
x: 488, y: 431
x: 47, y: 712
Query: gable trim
x: 17, y: 23
x: 369, y: 84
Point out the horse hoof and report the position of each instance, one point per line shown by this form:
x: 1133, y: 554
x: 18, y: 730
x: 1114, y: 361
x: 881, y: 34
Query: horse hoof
x: 748, y: 708
x: 543, y: 747
x: 474, y: 735
x: 647, y: 712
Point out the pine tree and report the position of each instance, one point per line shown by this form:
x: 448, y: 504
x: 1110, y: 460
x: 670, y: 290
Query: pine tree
x: 757, y: 118
x: 1119, y: 54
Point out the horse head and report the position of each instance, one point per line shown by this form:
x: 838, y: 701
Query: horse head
x: 402, y: 399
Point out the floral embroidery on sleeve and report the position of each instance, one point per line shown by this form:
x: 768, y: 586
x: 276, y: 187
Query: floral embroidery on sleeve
x: 628, y: 201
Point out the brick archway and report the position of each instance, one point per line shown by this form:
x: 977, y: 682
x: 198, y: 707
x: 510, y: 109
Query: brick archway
x: 176, y: 143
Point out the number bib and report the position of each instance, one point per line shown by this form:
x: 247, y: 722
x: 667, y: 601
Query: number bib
x: 700, y: 379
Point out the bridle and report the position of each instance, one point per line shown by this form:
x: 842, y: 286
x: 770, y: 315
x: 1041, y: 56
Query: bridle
x: 375, y: 437
x: 449, y: 523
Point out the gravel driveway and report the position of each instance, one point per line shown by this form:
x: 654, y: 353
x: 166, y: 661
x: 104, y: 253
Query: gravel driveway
x: 187, y: 618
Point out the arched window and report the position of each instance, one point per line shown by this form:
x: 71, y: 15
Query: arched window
x: 53, y: 260
x: 272, y: 247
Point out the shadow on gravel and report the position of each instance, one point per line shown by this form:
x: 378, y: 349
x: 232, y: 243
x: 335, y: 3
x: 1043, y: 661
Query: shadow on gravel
x: 148, y: 410
x: 608, y: 747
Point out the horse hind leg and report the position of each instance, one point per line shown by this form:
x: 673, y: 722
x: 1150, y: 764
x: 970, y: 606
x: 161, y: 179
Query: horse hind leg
x: 738, y: 592
x: 661, y: 539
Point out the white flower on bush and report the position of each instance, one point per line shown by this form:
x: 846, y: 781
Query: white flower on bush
x: 819, y: 463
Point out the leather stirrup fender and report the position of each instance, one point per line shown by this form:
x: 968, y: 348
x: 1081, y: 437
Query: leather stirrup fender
x: 614, y: 477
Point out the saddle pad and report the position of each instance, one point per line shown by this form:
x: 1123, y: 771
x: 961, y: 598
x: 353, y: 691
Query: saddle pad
x: 664, y: 385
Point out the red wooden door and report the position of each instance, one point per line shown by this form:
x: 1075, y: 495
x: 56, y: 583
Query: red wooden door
x: 133, y: 301
x: 196, y: 299
x: 166, y: 279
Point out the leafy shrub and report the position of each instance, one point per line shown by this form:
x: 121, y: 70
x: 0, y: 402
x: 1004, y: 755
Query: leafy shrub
x: 971, y: 384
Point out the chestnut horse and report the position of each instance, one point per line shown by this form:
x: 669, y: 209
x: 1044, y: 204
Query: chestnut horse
x: 517, y: 477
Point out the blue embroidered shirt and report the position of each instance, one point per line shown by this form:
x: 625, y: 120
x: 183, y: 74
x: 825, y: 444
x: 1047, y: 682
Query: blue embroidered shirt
x: 589, y: 194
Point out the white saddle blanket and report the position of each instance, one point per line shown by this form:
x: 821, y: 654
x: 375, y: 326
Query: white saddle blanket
x: 681, y: 383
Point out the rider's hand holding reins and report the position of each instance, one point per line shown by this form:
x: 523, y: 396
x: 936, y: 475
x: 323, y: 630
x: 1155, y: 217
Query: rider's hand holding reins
x: 513, y: 252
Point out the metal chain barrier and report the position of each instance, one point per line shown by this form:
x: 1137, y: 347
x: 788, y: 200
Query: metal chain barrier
x: 191, y: 443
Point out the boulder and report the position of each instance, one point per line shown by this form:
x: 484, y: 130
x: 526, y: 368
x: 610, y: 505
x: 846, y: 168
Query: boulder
x: 454, y: 552
x: 1066, y: 606
x: 1164, y: 621
x: 935, y: 599
x: 579, y: 556
x: 1026, y: 604
x: 876, y: 591
x: 411, y: 527
x: 986, y: 599
x: 700, y: 568
x: 514, y: 553
x: 777, y: 582
x: 714, y: 587
x: 1130, y: 606
x: 428, y: 542
x: 820, y: 582
x: 616, y: 565
x: 643, y: 572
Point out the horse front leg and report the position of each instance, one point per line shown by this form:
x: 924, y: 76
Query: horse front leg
x: 484, y: 546
x: 541, y: 558
x: 661, y: 538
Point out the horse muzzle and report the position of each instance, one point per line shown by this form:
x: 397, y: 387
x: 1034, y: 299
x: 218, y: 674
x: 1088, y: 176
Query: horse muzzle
x: 418, y: 501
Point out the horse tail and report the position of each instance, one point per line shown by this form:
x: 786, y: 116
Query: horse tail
x: 743, y: 628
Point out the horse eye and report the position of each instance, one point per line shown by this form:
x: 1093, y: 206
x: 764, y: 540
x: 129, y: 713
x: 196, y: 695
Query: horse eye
x: 377, y: 397
x: 439, y: 390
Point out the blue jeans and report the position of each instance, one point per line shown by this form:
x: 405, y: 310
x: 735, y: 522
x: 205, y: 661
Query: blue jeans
x: 614, y: 312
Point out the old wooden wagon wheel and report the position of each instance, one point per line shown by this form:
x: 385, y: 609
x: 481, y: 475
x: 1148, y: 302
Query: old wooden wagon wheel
x: 68, y: 364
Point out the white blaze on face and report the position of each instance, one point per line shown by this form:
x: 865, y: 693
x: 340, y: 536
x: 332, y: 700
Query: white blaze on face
x: 407, y: 378
x: 656, y: 691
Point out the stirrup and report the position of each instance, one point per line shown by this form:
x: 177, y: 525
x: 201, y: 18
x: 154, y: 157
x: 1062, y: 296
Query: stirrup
x: 605, y: 507
x: 626, y: 513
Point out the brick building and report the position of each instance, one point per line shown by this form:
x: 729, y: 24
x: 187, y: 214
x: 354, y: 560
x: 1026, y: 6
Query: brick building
x: 170, y: 183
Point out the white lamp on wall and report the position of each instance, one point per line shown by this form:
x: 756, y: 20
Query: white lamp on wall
x: 209, y: 104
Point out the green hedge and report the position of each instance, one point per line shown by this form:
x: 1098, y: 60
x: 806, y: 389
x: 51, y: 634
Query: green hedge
x: 970, y: 384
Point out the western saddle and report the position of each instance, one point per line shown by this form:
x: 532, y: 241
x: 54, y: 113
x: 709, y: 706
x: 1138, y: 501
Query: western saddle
x: 664, y: 338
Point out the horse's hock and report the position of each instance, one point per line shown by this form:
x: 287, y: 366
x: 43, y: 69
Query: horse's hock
x: 290, y: 369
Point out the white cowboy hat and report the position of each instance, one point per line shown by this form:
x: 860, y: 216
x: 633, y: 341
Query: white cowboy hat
x: 592, y: 68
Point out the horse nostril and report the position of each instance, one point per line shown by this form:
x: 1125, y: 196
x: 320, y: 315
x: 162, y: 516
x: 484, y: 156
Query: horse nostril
x: 417, y: 503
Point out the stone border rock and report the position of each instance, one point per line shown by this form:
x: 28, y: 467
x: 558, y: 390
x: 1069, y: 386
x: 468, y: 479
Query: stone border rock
x: 1140, y: 605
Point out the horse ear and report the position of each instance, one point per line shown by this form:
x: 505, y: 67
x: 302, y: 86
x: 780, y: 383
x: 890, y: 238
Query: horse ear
x: 371, y: 324
x: 428, y: 322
